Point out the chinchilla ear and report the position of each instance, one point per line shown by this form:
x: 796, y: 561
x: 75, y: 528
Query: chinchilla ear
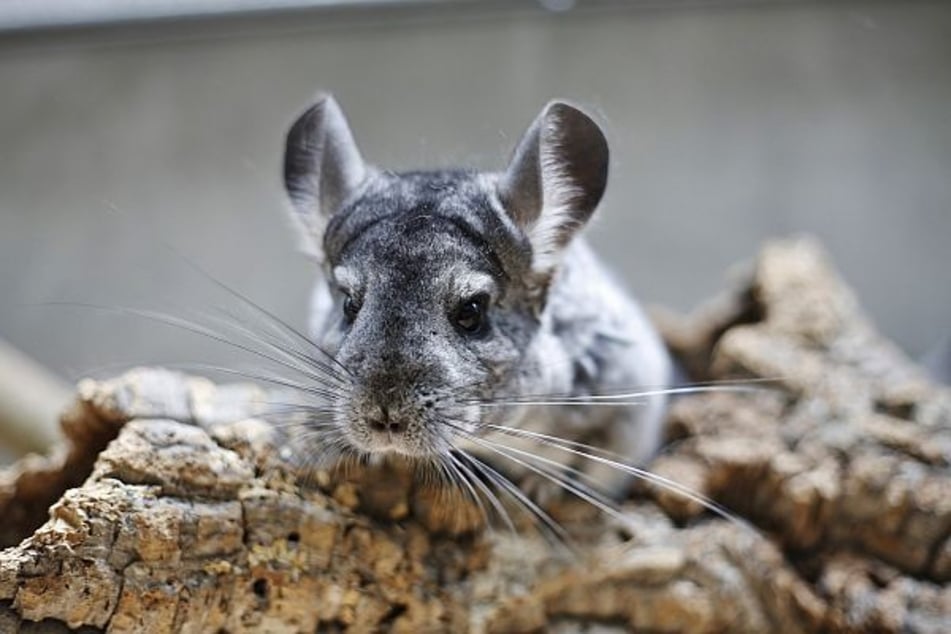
x: 555, y: 180
x: 322, y: 167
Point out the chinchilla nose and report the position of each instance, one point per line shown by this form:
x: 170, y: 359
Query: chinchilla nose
x: 381, y: 421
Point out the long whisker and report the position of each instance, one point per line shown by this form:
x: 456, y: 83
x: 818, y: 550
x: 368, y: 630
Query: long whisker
x: 328, y: 392
x: 300, y: 407
x: 493, y: 499
x: 456, y: 467
x: 583, y: 492
x: 579, y: 489
x: 549, y: 526
x: 256, y: 307
x: 332, y: 449
x: 188, y: 326
x: 307, y: 362
x: 648, y: 476
x: 622, y: 399
x: 290, y: 418
x: 621, y: 392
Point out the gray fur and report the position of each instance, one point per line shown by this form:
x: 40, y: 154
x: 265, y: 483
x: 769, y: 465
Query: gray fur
x: 408, y: 248
x: 322, y: 167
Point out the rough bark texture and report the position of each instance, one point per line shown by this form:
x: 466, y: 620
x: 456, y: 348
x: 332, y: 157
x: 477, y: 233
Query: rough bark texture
x: 194, y: 519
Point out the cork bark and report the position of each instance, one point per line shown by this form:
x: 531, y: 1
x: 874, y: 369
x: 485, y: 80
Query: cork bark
x: 175, y: 507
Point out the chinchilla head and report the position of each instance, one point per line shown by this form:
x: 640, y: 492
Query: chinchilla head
x: 435, y: 282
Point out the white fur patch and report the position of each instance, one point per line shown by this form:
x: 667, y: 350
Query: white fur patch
x: 467, y: 283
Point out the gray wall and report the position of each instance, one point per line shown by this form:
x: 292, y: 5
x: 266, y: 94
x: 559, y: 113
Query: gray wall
x: 728, y: 126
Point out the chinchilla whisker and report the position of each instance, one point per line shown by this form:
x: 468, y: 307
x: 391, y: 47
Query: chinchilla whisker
x: 454, y: 483
x: 456, y: 478
x: 184, y: 324
x: 497, y: 506
x: 102, y: 371
x: 648, y: 476
x: 269, y: 316
x: 309, y: 435
x: 334, y: 455
x: 467, y: 485
x: 323, y: 391
x: 577, y: 473
x: 451, y: 396
x: 304, y: 363
x: 438, y: 474
x: 580, y: 490
x: 622, y: 399
x: 433, y: 472
x: 514, y: 431
x: 315, y: 430
x: 298, y: 407
x: 291, y: 419
x: 543, y: 520
x: 552, y: 530
x: 310, y: 432
x: 632, y: 403
x: 274, y: 413
x: 307, y: 363
x: 112, y: 368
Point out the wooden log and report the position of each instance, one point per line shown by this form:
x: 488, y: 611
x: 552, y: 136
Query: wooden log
x: 174, y: 506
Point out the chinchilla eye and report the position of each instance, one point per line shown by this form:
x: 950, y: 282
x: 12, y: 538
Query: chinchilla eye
x: 470, y: 316
x: 350, y: 308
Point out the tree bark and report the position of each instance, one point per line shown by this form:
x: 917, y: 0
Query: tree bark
x: 174, y: 507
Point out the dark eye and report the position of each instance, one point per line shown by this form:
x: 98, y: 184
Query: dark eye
x: 350, y: 308
x: 470, y: 317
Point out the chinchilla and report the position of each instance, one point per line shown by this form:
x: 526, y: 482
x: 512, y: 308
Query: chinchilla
x: 464, y: 314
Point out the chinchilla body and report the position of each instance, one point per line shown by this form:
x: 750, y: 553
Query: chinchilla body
x: 463, y: 311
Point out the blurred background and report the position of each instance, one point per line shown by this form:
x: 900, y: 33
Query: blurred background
x: 125, y: 125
